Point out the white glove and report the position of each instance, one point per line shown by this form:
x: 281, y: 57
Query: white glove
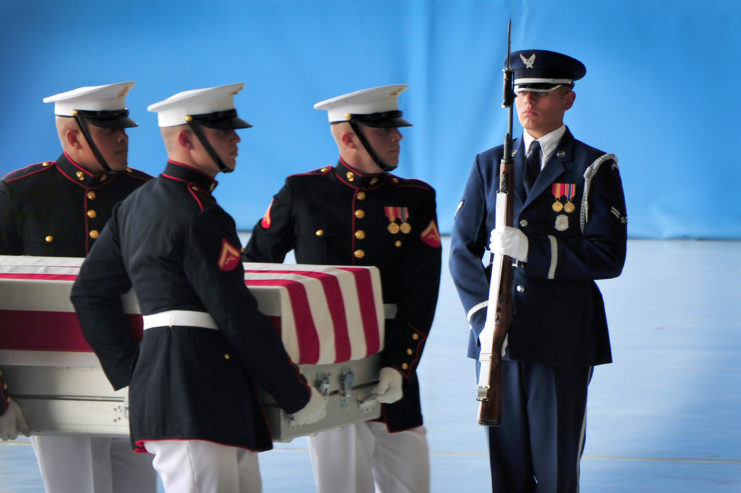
x: 388, y: 390
x: 313, y: 411
x: 13, y: 422
x: 509, y: 241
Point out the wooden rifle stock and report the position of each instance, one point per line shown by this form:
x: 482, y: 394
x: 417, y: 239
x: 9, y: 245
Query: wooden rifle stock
x: 499, y: 313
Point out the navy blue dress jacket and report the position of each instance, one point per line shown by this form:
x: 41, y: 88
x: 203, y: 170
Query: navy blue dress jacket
x: 58, y: 208
x: 339, y: 216
x: 179, y: 250
x: 558, y: 313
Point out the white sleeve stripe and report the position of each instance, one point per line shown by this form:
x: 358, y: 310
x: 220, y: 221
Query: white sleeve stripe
x: 476, y: 308
x: 554, y: 256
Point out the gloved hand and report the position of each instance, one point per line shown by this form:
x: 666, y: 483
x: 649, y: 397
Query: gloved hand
x: 388, y: 390
x: 13, y: 422
x: 509, y: 241
x: 313, y: 411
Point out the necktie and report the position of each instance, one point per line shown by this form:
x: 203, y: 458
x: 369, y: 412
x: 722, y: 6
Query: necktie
x: 532, y: 165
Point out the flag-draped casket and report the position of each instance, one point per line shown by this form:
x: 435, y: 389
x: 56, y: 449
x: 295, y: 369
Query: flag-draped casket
x: 330, y: 318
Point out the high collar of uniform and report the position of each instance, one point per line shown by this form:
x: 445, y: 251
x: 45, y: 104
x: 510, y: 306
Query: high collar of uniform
x: 349, y: 175
x: 183, y: 172
x: 77, y: 174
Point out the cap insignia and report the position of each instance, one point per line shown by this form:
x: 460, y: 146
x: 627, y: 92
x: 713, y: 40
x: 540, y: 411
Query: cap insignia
x: 529, y: 62
x: 396, y: 92
x: 124, y: 91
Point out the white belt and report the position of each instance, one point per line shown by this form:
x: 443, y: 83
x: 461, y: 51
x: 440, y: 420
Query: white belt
x: 179, y: 317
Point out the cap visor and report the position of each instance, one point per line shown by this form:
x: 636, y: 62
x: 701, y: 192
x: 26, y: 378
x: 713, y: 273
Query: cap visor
x: 225, y: 124
x: 390, y: 123
x: 125, y: 122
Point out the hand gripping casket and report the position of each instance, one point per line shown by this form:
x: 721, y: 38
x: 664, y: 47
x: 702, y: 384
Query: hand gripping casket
x: 330, y: 318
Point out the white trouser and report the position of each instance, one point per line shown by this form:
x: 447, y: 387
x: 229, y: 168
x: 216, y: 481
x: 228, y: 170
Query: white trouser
x: 83, y: 464
x: 198, y: 466
x: 366, y: 458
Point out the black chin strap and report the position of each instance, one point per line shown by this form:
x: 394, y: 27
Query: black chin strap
x: 88, y: 136
x: 356, y: 127
x: 196, y: 128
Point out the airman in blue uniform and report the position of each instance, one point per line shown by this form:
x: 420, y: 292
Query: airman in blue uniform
x: 569, y: 229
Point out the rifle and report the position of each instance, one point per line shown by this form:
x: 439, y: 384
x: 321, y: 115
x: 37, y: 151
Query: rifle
x: 499, y: 314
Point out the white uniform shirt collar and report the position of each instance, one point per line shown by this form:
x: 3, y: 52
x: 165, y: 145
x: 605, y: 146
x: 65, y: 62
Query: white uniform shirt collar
x: 548, y: 143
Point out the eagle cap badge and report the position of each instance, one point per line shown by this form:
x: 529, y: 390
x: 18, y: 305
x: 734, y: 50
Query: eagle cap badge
x: 529, y: 62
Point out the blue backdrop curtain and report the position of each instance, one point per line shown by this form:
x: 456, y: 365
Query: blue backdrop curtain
x: 658, y: 91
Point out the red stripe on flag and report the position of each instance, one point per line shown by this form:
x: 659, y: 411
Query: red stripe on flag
x: 333, y: 294
x: 45, y: 277
x: 49, y: 331
x: 308, y: 342
x: 364, y: 283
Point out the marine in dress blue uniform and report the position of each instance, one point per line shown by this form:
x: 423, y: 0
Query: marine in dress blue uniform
x: 570, y: 229
x: 358, y: 213
x: 193, y: 377
x: 58, y: 209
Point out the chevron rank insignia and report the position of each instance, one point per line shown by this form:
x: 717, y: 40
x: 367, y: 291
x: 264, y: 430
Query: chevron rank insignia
x: 431, y: 235
x: 229, y: 257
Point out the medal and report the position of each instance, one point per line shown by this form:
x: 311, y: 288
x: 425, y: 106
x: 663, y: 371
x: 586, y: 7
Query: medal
x: 392, y: 214
x: 570, y: 191
x: 406, y: 228
x: 557, y: 190
x: 562, y: 222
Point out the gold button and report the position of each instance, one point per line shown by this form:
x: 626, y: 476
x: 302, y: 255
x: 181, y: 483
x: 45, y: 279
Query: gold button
x: 46, y: 164
x: 91, y: 214
x: 361, y: 195
x: 410, y: 352
x: 415, y: 336
x: 360, y: 213
x: 359, y: 254
x: 350, y: 176
x: 227, y: 356
x: 319, y: 232
x: 360, y: 234
x: 90, y: 195
x: 194, y: 188
x: 94, y: 233
x: 404, y: 366
x: 323, y: 170
x: 397, y: 243
x: 80, y: 175
x: 49, y: 239
x: 374, y: 181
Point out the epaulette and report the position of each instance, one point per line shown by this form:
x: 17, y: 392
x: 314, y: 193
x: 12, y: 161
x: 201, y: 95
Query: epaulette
x: 410, y: 182
x: 29, y: 170
x: 315, y: 172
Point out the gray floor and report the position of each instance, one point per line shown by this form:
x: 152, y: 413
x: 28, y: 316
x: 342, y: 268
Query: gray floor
x: 666, y: 416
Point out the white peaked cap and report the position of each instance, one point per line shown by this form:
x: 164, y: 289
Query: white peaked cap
x: 174, y: 110
x: 364, y: 102
x: 109, y: 97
